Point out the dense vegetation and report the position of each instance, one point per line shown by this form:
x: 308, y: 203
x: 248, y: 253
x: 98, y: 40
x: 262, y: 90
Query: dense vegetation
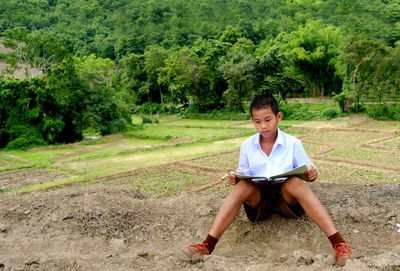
x: 103, y: 59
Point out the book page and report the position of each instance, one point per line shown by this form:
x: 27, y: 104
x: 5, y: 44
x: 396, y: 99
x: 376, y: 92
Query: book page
x: 299, y: 172
x: 241, y: 176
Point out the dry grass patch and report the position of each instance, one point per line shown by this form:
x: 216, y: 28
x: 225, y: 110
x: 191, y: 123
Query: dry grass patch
x: 349, y: 174
x: 341, y: 138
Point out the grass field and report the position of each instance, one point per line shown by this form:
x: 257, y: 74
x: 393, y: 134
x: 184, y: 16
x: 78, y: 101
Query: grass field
x: 178, y: 155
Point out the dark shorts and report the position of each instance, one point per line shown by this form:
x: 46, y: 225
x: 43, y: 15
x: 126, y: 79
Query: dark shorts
x: 271, y: 202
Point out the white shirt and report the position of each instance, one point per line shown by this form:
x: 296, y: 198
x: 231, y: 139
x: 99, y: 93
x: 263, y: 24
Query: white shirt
x: 287, y: 154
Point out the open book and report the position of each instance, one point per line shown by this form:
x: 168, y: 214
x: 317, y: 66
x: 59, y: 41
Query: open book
x: 299, y: 172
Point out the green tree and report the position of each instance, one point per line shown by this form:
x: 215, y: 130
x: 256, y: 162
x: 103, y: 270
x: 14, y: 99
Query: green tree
x: 311, y: 52
x: 85, y: 98
x: 178, y: 76
x: 35, y: 51
x: 154, y: 60
x: 237, y: 69
x: 272, y: 76
x: 211, y: 86
x: 230, y: 34
x: 357, y: 61
x: 130, y: 78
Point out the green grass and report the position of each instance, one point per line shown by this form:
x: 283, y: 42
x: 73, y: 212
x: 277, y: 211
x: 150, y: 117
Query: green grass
x: 379, y: 157
x: 193, y: 123
x: 343, y: 138
x: 228, y: 161
x: 386, y: 125
x: 175, y: 139
x: 137, y: 120
x: 310, y: 148
x: 353, y: 175
x: 150, y: 157
x: 395, y: 142
x: 319, y: 107
x: 46, y: 154
x: 166, y: 131
x: 167, y: 181
x: 9, y: 163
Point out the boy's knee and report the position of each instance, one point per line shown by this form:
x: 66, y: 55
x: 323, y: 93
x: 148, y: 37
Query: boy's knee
x: 245, y: 189
x: 294, y: 184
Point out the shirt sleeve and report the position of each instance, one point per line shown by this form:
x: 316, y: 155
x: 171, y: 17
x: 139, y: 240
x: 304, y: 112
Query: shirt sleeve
x: 300, y: 156
x: 244, y: 167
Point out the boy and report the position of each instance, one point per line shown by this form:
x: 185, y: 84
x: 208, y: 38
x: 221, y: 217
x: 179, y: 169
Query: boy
x: 267, y: 153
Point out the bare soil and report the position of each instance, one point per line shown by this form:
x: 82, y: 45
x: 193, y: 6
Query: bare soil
x: 114, y: 227
x: 109, y: 224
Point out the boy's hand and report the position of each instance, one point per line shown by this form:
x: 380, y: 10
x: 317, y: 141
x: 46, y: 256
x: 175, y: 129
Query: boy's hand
x: 232, y: 179
x: 311, y: 173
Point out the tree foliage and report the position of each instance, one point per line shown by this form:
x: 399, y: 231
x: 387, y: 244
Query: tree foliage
x: 312, y: 51
x: 90, y: 63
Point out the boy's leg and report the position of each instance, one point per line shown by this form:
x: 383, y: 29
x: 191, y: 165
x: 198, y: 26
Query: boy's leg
x: 295, y: 190
x: 242, y: 192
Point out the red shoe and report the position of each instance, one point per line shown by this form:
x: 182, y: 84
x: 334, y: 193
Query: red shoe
x: 343, y: 253
x: 200, y: 249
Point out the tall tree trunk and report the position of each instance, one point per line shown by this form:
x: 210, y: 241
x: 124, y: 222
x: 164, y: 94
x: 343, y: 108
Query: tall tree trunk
x: 353, y: 79
x: 161, y: 96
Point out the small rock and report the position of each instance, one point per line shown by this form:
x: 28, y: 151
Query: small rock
x: 4, y: 227
x: 32, y: 261
x: 136, y: 228
x: 27, y: 212
x: 303, y: 256
x: 143, y: 254
x: 203, y: 211
x: 319, y: 258
x: 117, y: 243
x: 355, y: 231
x: 53, y: 218
x: 12, y: 209
x: 283, y: 258
x: 355, y: 265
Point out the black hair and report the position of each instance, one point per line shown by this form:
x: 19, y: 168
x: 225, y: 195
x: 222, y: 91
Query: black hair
x: 264, y: 101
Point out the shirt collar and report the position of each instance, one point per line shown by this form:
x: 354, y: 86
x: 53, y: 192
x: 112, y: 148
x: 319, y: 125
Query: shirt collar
x: 280, y: 139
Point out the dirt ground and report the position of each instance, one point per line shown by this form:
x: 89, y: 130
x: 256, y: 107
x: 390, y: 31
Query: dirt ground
x: 109, y: 227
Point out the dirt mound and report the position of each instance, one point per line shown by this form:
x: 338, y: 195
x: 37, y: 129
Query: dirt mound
x: 110, y: 227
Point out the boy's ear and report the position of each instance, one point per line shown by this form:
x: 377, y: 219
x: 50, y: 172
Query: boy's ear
x: 279, y: 116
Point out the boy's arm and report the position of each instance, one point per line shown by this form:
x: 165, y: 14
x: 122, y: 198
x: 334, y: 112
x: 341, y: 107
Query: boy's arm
x: 300, y: 157
x: 311, y: 173
x: 243, y: 166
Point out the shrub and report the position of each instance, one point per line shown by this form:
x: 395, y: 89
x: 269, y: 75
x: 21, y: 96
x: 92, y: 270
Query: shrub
x: 147, y: 120
x: 219, y: 114
x: 303, y: 113
x: 154, y: 108
x: 384, y: 111
x: 118, y: 125
x: 24, y: 137
x: 24, y: 143
x: 357, y: 108
x: 329, y: 114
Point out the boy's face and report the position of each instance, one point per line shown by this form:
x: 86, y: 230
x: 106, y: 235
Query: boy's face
x: 266, y: 122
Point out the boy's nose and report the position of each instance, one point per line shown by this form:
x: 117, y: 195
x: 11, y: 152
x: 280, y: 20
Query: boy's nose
x: 264, y: 125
